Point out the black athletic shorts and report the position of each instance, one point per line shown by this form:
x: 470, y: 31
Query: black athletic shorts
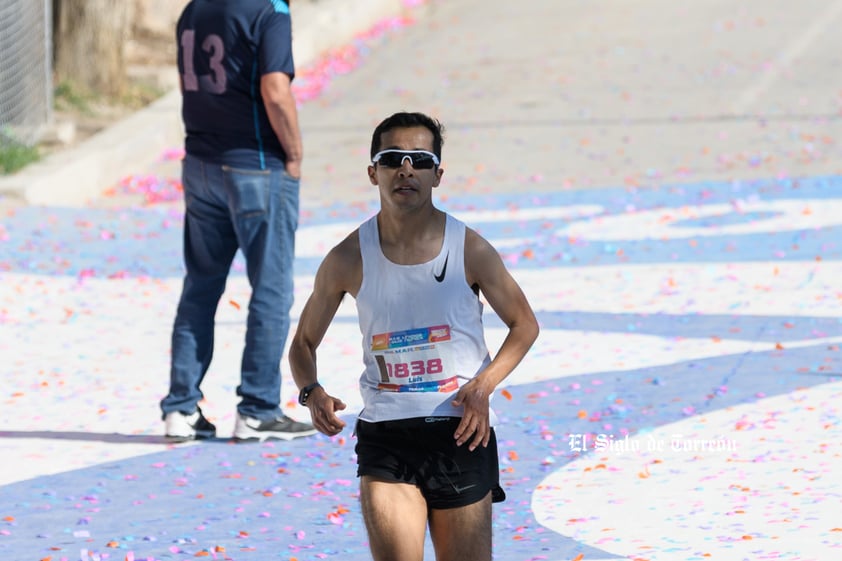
x: 422, y: 451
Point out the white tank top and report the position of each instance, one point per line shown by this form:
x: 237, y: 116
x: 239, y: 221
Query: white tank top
x: 422, y: 329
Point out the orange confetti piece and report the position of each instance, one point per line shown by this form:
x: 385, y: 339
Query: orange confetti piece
x: 202, y: 553
x: 513, y: 455
x: 506, y: 394
x: 747, y: 537
x: 234, y: 303
x: 112, y: 544
x: 779, y: 347
x: 582, y: 414
x: 219, y: 549
x: 8, y: 519
x: 579, y: 557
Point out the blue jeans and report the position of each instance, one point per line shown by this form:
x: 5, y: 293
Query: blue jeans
x: 227, y: 209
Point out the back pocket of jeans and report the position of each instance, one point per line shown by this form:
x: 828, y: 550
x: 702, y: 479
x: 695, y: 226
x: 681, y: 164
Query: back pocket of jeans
x: 247, y: 190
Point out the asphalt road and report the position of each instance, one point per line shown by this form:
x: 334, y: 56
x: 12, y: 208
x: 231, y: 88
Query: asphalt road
x: 547, y: 95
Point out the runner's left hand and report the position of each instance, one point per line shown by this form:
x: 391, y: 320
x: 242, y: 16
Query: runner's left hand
x: 475, y: 425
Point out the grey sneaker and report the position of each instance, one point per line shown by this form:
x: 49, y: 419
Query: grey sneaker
x: 181, y: 427
x: 281, y: 427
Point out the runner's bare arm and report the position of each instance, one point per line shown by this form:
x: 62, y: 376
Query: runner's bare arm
x: 340, y: 273
x: 485, y: 268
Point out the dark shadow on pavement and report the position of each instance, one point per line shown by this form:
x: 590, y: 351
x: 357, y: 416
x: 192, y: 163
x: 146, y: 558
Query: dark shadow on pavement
x: 111, y: 438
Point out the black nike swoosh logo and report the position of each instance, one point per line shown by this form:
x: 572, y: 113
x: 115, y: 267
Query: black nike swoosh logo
x: 440, y: 277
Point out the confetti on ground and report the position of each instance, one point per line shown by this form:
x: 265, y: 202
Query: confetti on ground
x: 682, y: 401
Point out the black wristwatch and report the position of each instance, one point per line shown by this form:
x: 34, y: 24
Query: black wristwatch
x: 306, y: 391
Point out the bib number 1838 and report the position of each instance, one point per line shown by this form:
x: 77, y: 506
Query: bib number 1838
x: 414, y: 368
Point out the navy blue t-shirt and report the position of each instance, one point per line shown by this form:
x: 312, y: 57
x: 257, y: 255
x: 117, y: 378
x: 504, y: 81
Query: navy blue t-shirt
x: 224, y: 47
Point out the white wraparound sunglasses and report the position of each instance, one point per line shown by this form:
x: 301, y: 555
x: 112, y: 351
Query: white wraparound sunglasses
x: 418, y: 159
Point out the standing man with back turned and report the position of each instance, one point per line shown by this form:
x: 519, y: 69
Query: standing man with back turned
x: 241, y: 176
x: 426, y: 449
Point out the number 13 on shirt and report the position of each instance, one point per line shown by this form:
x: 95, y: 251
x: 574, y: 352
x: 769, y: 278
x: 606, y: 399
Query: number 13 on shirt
x: 213, y: 46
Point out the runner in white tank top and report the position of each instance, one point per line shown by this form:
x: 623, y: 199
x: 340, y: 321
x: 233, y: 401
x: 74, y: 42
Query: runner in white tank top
x: 426, y: 448
x: 422, y: 329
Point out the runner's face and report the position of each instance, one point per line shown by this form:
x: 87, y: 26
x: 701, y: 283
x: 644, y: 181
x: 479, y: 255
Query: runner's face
x: 405, y: 184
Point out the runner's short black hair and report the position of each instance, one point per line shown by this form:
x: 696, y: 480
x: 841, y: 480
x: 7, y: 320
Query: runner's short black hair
x: 405, y: 120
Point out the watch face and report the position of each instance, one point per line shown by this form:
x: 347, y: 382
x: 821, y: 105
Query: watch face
x: 305, y: 393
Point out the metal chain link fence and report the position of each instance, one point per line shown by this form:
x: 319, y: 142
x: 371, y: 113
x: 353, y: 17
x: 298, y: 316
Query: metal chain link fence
x: 25, y: 70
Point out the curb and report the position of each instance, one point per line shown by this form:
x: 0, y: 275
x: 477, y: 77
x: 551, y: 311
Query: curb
x: 72, y: 177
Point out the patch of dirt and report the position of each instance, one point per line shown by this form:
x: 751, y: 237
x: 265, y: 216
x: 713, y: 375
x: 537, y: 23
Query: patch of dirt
x: 151, y: 72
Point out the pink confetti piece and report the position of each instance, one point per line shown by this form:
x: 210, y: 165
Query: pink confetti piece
x: 154, y: 189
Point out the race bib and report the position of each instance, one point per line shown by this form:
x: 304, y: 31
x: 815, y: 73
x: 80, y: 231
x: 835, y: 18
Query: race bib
x: 416, y: 360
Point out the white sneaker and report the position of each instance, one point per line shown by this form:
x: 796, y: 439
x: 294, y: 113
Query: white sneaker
x: 281, y: 427
x: 181, y: 427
